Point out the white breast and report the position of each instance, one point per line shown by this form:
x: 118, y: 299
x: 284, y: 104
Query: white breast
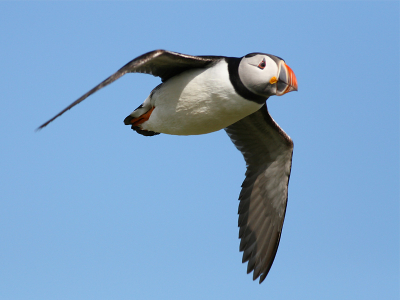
x: 198, y: 101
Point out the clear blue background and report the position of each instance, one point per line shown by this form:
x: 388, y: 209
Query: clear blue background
x: 91, y: 210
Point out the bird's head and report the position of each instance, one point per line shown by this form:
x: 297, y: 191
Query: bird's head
x: 266, y: 75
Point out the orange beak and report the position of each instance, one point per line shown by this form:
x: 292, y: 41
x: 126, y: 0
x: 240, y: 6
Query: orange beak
x: 287, y: 81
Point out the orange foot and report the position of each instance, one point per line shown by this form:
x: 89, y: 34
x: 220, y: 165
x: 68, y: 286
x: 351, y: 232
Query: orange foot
x: 129, y: 120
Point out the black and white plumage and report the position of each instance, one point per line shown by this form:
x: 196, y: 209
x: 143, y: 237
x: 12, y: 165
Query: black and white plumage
x: 202, y: 94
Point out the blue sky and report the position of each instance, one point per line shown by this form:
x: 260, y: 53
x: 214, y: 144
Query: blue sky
x: 91, y: 210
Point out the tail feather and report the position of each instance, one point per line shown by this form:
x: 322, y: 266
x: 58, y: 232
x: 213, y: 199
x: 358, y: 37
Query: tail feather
x: 144, y: 132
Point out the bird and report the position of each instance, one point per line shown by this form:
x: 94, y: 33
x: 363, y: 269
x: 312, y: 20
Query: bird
x: 204, y: 94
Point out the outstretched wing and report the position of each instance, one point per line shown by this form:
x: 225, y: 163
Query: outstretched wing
x: 267, y: 150
x: 161, y: 63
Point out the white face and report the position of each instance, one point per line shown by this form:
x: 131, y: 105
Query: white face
x: 259, y: 74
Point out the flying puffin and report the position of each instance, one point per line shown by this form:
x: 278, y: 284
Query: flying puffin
x: 203, y: 94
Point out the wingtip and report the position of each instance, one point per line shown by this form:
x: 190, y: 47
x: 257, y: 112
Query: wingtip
x: 40, y: 127
x: 262, y: 277
x: 43, y: 125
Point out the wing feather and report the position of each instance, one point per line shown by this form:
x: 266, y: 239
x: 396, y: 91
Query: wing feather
x: 267, y: 150
x: 161, y: 63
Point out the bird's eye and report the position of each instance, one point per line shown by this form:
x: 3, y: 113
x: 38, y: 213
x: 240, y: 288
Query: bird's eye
x: 262, y: 64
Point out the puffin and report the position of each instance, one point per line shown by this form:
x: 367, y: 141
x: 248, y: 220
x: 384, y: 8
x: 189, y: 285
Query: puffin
x: 203, y: 94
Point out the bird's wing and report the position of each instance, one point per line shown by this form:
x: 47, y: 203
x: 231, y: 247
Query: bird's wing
x: 267, y: 150
x: 161, y: 63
